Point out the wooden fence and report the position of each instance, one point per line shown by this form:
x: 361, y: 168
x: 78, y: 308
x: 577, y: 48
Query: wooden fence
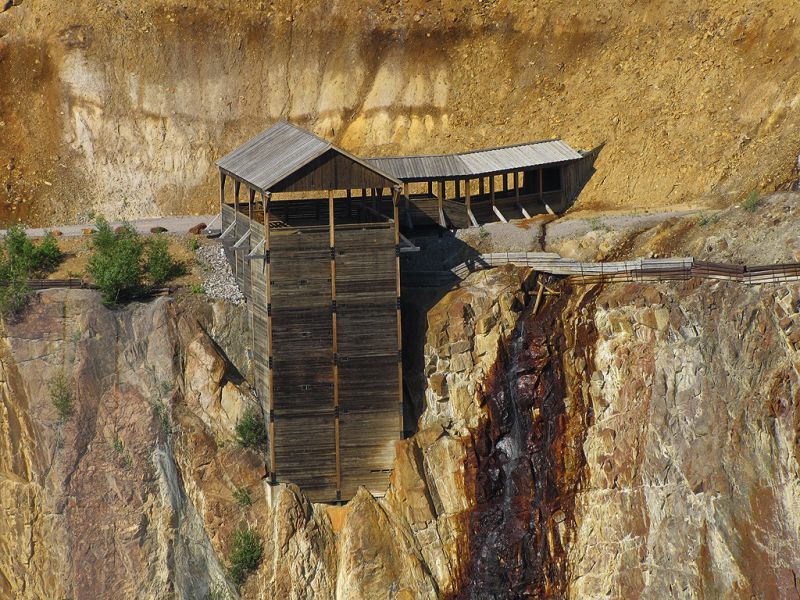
x: 80, y: 284
x: 638, y: 270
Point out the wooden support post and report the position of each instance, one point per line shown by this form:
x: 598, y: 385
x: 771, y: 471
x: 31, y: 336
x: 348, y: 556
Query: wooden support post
x: 221, y: 196
x: 430, y: 188
x: 251, y: 198
x: 516, y: 196
x: 458, y: 189
x: 541, y: 192
x: 494, y: 206
x: 349, y: 204
x: 334, y: 331
x: 395, y: 194
x: 471, y: 216
x: 481, y: 189
x: 505, y: 182
x: 541, y: 186
x: 265, y: 202
x: 407, y: 204
x: 237, y: 185
x: 442, y: 218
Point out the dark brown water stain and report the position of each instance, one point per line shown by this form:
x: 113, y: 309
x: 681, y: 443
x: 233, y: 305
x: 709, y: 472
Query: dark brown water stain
x: 528, y: 458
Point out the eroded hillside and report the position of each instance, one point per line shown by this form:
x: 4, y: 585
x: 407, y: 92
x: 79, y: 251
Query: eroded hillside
x: 122, y: 107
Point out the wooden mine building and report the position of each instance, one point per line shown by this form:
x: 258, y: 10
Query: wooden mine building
x: 313, y: 236
x: 483, y: 186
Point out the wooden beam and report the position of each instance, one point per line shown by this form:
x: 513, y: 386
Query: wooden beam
x: 516, y: 196
x: 472, y: 218
x: 395, y: 193
x: 442, y: 218
x: 221, y: 195
x: 541, y: 192
x: 499, y: 214
x: 237, y: 185
x: 407, y: 204
x: 334, y: 324
x: 265, y: 198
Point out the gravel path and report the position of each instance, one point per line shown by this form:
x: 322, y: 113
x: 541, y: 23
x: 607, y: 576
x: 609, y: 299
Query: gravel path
x: 218, y: 279
x: 172, y: 224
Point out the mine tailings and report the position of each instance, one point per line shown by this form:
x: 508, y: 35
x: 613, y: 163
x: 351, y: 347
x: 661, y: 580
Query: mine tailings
x: 528, y: 453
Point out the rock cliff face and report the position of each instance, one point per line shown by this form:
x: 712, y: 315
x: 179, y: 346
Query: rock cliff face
x: 123, y: 107
x: 622, y: 441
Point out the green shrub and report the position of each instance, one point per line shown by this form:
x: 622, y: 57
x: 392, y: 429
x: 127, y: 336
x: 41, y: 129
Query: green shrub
x: 245, y: 554
x: 21, y: 260
x: 160, y: 267
x: 752, y: 202
x: 706, y: 219
x: 242, y: 497
x: 47, y: 255
x: 250, y: 430
x: 122, y: 260
x: 116, y: 261
x: 194, y: 244
x: 15, y: 292
x: 198, y: 289
x: 61, y: 395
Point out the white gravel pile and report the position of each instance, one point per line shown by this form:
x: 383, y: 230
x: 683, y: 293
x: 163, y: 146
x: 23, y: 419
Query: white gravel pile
x: 218, y: 279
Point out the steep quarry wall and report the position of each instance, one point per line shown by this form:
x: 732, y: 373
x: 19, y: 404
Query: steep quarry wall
x: 631, y: 440
x: 122, y: 107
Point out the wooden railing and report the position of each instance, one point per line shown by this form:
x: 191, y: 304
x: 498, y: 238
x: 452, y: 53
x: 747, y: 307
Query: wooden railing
x: 45, y: 284
x: 642, y: 269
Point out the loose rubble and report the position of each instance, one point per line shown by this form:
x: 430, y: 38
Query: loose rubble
x: 218, y: 279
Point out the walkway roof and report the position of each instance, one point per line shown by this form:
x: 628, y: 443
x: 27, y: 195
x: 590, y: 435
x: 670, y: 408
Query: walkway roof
x: 479, y: 162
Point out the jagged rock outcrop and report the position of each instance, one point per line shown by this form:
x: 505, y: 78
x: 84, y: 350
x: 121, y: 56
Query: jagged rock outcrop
x: 630, y: 440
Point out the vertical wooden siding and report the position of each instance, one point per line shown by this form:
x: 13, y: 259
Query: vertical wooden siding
x: 302, y: 346
x: 368, y: 356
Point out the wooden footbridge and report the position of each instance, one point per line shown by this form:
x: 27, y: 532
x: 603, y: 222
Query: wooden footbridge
x: 637, y: 270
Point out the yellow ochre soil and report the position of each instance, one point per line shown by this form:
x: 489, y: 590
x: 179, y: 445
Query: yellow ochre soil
x: 122, y: 107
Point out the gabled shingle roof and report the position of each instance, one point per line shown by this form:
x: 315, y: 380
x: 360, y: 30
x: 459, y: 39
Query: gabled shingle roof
x: 279, y: 151
x: 478, y: 162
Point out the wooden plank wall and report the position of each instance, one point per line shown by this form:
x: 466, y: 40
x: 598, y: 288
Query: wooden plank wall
x: 332, y: 170
x: 259, y: 327
x: 301, y: 392
x: 368, y: 356
x: 576, y: 175
x: 302, y: 346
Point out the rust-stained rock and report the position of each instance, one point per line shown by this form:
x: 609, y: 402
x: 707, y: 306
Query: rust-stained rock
x: 628, y: 441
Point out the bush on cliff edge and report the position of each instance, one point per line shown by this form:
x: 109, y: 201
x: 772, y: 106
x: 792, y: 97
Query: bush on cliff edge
x: 123, y: 264
x: 21, y: 260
